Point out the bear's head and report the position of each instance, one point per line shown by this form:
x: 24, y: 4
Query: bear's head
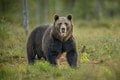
x: 62, y: 28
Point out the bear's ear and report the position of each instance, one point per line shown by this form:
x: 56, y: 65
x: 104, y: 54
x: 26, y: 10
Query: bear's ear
x: 69, y: 17
x: 56, y: 17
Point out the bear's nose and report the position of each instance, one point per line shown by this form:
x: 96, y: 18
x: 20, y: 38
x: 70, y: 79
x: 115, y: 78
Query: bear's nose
x: 63, y: 30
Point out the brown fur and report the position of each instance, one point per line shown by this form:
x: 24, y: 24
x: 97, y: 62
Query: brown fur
x: 48, y: 42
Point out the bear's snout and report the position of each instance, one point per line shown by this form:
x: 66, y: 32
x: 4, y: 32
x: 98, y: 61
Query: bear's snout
x: 63, y: 30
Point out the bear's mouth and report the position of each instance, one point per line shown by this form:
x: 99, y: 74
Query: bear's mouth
x: 63, y: 34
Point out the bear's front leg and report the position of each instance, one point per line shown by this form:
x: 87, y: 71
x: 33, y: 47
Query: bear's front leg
x: 52, y: 58
x: 72, y: 58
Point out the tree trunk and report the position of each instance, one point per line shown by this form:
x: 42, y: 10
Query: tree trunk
x: 25, y: 16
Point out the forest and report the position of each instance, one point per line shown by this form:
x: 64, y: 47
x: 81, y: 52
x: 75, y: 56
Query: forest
x: 96, y: 31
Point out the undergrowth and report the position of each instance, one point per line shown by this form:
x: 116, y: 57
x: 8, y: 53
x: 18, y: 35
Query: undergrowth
x: 100, y: 61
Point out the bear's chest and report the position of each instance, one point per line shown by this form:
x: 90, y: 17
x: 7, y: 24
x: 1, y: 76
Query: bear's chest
x: 56, y: 46
x: 60, y: 47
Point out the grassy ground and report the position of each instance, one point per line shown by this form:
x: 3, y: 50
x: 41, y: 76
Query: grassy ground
x: 101, y: 61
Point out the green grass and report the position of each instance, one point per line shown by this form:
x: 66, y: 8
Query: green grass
x: 102, y: 49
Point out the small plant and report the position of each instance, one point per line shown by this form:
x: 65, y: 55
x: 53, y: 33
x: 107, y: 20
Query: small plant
x: 84, y: 57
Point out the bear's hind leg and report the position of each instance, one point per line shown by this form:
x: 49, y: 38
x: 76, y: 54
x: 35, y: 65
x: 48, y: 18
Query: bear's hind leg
x: 40, y: 54
x: 31, y: 55
x: 31, y: 58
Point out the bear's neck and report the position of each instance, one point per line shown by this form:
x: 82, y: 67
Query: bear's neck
x: 62, y: 39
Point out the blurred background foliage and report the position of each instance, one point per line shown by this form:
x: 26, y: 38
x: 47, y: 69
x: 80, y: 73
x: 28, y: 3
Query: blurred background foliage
x: 43, y: 10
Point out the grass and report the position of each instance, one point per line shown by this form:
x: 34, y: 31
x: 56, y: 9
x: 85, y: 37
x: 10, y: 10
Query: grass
x: 102, y: 51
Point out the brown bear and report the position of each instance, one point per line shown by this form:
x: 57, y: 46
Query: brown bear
x: 50, y: 41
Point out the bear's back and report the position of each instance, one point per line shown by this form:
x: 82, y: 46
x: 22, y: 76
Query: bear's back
x: 35, y: 38
x: 39, y: 32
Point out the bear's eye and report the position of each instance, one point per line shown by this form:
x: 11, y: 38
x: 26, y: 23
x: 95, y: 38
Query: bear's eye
x: 66, y: 24
x: 59, y: 23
